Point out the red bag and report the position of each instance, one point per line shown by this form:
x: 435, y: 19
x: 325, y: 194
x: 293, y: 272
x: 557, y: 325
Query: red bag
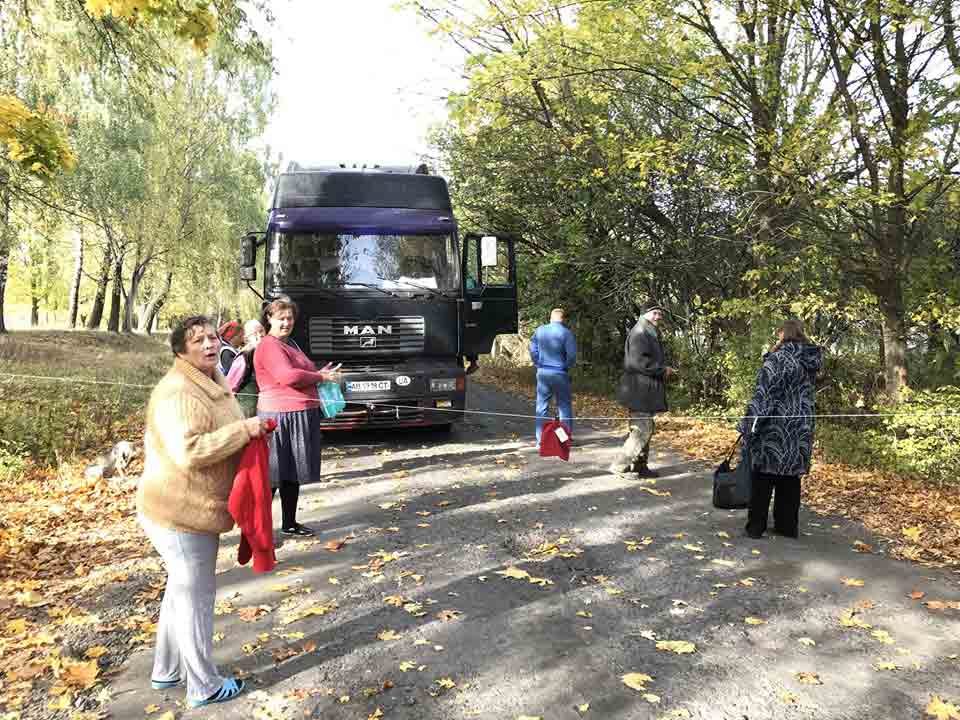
x: 555, y: 440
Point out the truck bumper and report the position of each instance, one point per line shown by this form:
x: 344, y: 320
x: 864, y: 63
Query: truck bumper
x: 408, y: 401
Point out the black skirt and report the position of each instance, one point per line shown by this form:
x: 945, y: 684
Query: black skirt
x: 295, y: 447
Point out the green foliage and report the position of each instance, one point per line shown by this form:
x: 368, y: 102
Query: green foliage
x: 926, y: 433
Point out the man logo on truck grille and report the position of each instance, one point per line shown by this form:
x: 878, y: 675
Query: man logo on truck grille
x: 368, y: 342
x: 367, y: 330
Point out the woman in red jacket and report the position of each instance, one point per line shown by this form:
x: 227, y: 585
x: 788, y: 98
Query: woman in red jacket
x: 288, y: 393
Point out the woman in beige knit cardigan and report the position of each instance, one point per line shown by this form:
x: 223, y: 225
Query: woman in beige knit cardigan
x: 195, y: 432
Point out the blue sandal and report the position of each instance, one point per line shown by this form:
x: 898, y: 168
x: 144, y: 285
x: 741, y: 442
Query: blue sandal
x: 228, y: 691
x: 164, y: 684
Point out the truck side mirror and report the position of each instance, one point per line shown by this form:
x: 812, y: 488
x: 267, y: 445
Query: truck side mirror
x: 248, y: 252
x: 488, y: 251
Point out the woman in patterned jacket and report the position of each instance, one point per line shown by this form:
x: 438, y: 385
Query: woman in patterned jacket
x: 778, y: 430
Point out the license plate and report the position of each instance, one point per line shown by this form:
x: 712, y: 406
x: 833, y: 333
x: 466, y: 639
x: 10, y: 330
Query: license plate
x: 367, y: 385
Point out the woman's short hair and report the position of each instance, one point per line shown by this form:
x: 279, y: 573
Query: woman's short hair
x: 183, y: 330
x: 278, y: 305
x: 792, y: 332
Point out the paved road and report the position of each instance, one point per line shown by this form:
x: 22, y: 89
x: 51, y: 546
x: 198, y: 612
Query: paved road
x: 448, y: 512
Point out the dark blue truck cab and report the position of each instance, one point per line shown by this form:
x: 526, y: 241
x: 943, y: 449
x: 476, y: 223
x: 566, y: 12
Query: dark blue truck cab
x: 387, y: 287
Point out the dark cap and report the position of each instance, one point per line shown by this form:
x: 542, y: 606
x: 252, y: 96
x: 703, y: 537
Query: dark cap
x: 650, y: 307
x: 229, y: 330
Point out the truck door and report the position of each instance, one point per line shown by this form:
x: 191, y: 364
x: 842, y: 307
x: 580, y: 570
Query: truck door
x: 489, y: 291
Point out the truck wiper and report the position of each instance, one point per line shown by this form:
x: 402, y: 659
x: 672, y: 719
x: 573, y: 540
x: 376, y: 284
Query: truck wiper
x: 369, y: 285
x: 311, y: 288
x: 431, y: 290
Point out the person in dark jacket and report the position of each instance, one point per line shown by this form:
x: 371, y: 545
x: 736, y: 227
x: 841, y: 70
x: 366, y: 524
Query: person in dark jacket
x: 642, y: 391
x: 778, y: 430
x: 553, y: 351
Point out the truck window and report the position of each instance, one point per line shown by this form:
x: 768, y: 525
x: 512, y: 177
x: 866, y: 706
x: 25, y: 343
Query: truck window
x: 388, y: 261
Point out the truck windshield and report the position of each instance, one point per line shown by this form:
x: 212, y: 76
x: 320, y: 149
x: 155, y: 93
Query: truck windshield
x: 386, y: 262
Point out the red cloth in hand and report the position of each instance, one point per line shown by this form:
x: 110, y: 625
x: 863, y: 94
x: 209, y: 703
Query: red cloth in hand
x: 551, y: 445
x: 250, y: 505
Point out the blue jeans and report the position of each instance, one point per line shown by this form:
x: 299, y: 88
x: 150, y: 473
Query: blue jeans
x: 553, y: 384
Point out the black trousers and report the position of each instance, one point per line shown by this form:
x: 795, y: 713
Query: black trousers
x: 289, y: 495
x: 786, y: 503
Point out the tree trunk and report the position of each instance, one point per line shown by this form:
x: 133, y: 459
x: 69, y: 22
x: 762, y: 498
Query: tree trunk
x: 34, y: 300
x: 116, y: 293
x: 6, y: 242
x: 129, y: 316
x: 99, y: 299
x: 153, y: 308
x: 75, y: 285
x: 894, y: 341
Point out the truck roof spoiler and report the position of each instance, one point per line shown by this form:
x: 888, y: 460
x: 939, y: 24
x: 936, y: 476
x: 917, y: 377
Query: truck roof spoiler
x: 421, y: 169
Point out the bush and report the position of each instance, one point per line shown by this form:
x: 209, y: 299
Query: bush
x: 926, y: 433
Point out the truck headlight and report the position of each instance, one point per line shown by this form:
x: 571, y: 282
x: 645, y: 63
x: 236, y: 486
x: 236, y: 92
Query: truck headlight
x: 446, y: 385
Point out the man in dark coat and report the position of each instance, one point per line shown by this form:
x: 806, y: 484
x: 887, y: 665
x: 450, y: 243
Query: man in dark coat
x: 642, y: 391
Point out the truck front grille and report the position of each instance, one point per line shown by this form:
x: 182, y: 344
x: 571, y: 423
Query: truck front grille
x: 390, y: 335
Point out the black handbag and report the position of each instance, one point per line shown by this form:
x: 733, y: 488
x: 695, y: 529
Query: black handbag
x: 731, y: 487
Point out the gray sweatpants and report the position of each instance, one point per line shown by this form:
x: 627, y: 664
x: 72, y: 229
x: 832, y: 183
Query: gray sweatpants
x: 633, y: 455
x: 185, y: 630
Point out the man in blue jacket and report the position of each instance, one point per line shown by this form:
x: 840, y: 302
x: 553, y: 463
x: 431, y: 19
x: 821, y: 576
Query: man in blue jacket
x: 553, y: 351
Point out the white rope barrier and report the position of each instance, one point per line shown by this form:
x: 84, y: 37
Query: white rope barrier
x: 610, y: 418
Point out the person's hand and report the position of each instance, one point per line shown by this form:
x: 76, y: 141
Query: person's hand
x: 257, y: 427
x: 331, y: 373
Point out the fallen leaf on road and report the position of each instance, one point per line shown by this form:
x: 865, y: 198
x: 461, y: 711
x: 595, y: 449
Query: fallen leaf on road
x: 250, y: 614
x: 95, y: 651
x: 636, y: 681
x: 754, y: 621
x: 809, y: 642
x: 723, y: 534
x: 584, y: 707
x: 335, y: 545
x: 883, y: 636
x: 81, y: 674
x: 448, y: 615
x: 886, y: 666
x: 680, y: 647
x: 724, y: 563
x: 852, y: 582
x: 849, y: 619
x: 388, y: 635
x: 395, y: 600
x: 942, y: 710
x: 651, y: 698
x: 150, y: 709
x: 653, y: 491
x: 584, y: 614
x: 789, y: 697
x: 529, y: 717
x: 862, y: 547
x: 917, y: 595
x: 693, y: 548
x: 942, y: 604
x: 446, y: 683
x: 513, y: 572
x: 343, y: 699
x: 912, y: 533
x: 407, y: 666
x: 809, y: 678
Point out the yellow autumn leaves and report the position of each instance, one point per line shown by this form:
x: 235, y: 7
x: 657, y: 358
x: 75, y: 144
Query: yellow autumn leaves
x: 33, y: 139
x: 192, y: 21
